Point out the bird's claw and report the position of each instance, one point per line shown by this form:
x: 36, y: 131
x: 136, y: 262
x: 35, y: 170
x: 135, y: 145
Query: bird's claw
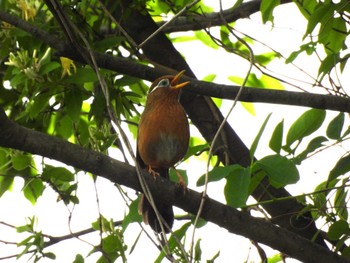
x: 153, y: 173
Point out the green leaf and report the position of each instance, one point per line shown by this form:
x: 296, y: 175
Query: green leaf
x: 327, y: 65
x: 64, y: 126
x: 112, y: 248
x: 236, y: 4
x: 206, y: 39
x: 74, y: 101
x: 47, y: 68
x: 37, y: 105
x: 345, y: 251
x: 335, y: 127
x: 212, y: 260
x: 174, y: 177
x: 53, y: 174
x: 305, y: 125
x: 26, y: 242
x: 268, y: 82
x: 81, y: 76
x: 195, y: 149
x: 277, y: 258
x: 264, y: 81
x: 237, y: 187
x: 110, y: 243
x: 108, y: 42
x: 218, y: 173
x: 322, y: 11
x: 252, y: 81
x: 209, y: 78
x: 280, y: 170
x: 22, y: 229
x: 133, y: 215
x: 50, y: 255
x: 225, y: 37
x: 309, y: 48
x: 257, y: 176
x: 200, y: 222
x: 249, y: 107
x: 108, y: 141
x: 20, y: 162
x: 340, y: 202
x: 6, y: 183
x: 127, y: 81
x: 178, y: 234
x: 343, y: 62
x: 337, y: 229
x: 346, y: 132
x: 333, y: 34
x: 313, y: 145
x: 307, y: 7
x: 18, y: 79
x: 257, y: 138
x: 266, y: 9
x: 340, y: 168
x: 98, y: 107
x: 265, y: 58
x: 104, y: 223
x: 33, y: 189
x: 133, y: 246
x: 4, y: 160
x: 275, y: 143
x: 198, y: 251
x: 179, y: 39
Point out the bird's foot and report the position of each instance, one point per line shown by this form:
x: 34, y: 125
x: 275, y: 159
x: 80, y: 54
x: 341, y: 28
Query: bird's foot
x: 153, y: 173
x: 181, y: 180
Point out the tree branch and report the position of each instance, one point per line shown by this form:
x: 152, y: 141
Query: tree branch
x: 271, y: 96
x: 132, y: 68
x: 208, y: 20
x: 17, y: 137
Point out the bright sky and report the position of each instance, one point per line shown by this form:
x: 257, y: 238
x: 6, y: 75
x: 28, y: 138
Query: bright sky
x: 53, y: 216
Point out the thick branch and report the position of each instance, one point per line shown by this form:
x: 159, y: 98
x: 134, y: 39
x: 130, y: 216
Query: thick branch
x: 15, y: 136
x: 208, y: 20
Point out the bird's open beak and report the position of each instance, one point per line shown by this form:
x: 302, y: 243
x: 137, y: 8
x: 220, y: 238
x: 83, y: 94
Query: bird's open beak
x: 174, y: 84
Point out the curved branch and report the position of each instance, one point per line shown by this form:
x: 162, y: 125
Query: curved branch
x: 198, y: 22
x: 15, y: 136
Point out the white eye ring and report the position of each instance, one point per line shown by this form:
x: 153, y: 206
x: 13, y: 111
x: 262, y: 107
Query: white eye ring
x: 163, y: 83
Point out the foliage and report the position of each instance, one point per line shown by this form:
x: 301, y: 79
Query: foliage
x: 53, y: 94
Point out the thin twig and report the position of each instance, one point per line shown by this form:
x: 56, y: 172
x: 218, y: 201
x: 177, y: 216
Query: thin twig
x: 183, y: 10
x: 125, y: 34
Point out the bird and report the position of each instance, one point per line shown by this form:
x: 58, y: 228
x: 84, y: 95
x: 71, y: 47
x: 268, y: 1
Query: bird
x: 162, y: 141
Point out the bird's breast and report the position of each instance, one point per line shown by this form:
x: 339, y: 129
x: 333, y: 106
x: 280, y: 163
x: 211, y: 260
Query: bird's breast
x: 163, y: 137
x: 167, y: 150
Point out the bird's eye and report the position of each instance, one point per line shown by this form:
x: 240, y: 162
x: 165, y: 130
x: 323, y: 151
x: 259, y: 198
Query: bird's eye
x: 163, y: 83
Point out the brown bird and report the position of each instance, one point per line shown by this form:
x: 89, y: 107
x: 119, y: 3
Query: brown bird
x: 162, y: 141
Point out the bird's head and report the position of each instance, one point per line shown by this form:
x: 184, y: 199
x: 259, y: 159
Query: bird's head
x: 168, y: 83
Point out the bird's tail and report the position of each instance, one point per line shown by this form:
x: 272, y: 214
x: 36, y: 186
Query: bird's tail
x: 165, y: 210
